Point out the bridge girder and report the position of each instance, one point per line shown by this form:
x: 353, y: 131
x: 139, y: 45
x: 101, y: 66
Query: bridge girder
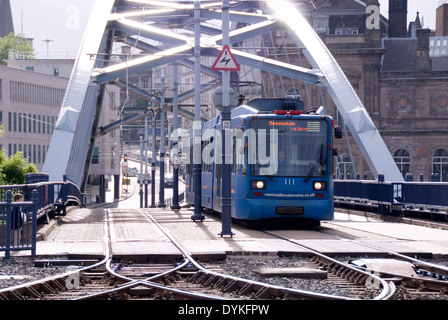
x: 163, y: 31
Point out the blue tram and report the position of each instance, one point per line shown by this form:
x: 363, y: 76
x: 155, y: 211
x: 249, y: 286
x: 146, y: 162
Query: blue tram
x: 281, y: 163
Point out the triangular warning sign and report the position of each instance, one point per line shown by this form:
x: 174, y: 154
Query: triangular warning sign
x: 226, y: 61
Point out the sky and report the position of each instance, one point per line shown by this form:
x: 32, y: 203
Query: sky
x: 63, y: 22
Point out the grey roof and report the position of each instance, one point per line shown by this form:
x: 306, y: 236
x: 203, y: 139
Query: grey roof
x: 400, y: 54
x: 439, y: 63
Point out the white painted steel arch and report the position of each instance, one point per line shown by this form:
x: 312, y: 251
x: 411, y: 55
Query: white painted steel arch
x: 361, y: 126
x: 142, y: 24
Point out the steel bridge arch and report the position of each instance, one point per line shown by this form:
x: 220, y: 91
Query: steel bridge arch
x: 162, y: 30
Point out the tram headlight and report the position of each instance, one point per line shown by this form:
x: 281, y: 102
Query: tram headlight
x: 258, y: 184
x: 320, y: 185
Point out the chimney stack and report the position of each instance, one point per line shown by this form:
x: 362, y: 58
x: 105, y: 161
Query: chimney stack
x: 398, y: 12
x: 423, y: 62
x: 442, y: 21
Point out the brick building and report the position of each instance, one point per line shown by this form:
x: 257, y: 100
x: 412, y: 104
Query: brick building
x: 400, y: 73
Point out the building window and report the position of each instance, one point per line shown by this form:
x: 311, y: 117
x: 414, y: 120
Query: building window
x: 440, y: 164
x: 24, y: 122
x: 321, y: 28
x: 56, y: 71
x: 96, y: 155
x: 346, y: 31
x: 34, y: 123
x: 403, y: 161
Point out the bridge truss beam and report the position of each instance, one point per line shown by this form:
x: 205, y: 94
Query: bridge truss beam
x: 162, y: 30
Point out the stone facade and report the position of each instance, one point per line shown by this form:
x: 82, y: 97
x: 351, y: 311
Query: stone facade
x: 403, y: 87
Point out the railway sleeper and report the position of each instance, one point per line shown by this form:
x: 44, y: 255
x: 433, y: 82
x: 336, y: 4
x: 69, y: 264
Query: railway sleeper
x: 16, y: 295
x: 205, y: 277
x: 198, y: 277
x: 268, y: 293
x: 31, y: 292
x: 247, y: 289
x: 211, y: 280
x: 232, y: 285
x: 360, y: 279
x: 166, y: 280
x: 351, y: 276
x: 46, y: 288
x: 220, y: 283
x: 58, y: 285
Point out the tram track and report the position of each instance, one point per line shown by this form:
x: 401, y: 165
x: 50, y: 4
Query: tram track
x: 189, y: 279
x: 429, y: 279
x: 186, y: 280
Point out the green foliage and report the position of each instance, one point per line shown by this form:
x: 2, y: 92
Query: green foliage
x: 13, y: 169
x: 13, y: 42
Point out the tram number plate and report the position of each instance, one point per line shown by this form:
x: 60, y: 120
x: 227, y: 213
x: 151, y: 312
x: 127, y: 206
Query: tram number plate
x: 289, y: 210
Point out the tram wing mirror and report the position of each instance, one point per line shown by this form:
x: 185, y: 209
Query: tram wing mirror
x: 337, y: 132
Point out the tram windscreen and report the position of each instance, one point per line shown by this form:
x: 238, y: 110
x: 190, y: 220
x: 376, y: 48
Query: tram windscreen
x: 289, y: 147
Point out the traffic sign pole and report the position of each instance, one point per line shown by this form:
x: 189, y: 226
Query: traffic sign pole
x: 226, y: 60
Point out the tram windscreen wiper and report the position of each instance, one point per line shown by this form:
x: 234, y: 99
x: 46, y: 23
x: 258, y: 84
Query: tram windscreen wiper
x: 316, y: 164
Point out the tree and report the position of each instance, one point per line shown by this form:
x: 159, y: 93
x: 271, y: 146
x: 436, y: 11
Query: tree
x: 17, y: 43
x: 13, y: 170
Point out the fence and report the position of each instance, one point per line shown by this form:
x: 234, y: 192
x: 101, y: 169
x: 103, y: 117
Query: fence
x: 424, y: 196
x: 40, y: 197
x: 18, y: 224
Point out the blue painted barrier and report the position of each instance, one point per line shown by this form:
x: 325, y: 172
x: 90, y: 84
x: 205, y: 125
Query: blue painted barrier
x: 18, y: 231
x: 423, y: 195
x: 18, y: 225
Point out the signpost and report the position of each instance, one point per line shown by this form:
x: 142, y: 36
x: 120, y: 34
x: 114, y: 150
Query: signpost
x: 226, y: 61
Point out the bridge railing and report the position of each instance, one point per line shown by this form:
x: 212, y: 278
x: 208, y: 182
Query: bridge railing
x: 18, y: 225
x: 18, y: 231
x: 394, y: 196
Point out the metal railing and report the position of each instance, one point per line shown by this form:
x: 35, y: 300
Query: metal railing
x: 18, y: 220
x: 395, y: 196
x: 18, y: 226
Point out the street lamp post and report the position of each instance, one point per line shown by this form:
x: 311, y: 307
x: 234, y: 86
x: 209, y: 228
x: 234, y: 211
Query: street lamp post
x: 153, y: 154
x: 146, y: 162
x: 175, y: 204
x: 162, y: 148
x: 141, y: 172
x: 197, y: 159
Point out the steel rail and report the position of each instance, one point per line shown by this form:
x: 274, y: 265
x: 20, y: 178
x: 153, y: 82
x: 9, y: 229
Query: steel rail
x: 55, y: 283
x: 418, y: 282
x: 245, y: 286
x: 350, y: 272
